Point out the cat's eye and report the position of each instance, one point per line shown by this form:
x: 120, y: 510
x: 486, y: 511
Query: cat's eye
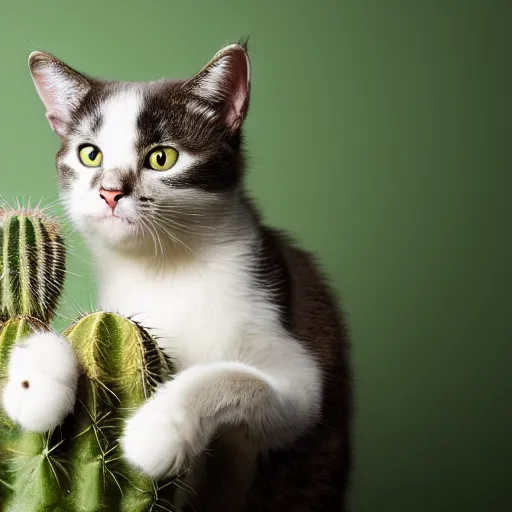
x: 90, y: 155
x: 161, y: 159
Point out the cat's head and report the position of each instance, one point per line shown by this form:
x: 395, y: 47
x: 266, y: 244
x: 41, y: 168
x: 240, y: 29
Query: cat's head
x: 145, y: 162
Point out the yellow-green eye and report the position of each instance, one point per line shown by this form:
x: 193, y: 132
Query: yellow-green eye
x: 90, y: 155
x: 162, y: 159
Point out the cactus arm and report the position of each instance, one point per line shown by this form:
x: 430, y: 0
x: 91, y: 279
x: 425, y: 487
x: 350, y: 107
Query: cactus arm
x: 32, y: 265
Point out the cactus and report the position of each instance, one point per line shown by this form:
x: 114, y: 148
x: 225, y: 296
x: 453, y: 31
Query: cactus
x: 78, y: 467
x: 32, y: 272
x: 32, y: 264
x: 123, y: 365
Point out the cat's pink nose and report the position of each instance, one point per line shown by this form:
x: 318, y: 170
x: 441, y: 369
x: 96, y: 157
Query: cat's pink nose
x: 111, y: 197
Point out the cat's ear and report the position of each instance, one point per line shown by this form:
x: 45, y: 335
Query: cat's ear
x: 60, y: 88
x: 224, y: 83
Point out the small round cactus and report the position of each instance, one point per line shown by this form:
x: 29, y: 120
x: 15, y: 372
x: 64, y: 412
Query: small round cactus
x: 32, y: 264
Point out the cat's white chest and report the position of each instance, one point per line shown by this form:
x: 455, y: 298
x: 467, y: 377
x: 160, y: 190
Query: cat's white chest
x: 198, y: 313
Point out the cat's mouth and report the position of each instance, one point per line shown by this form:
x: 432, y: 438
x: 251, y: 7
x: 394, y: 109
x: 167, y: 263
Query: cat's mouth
x: 112, y: 217
x: 114, y: 229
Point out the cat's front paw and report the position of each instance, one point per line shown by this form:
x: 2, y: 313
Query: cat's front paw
x: 161, y: 439
x: 42, y: 380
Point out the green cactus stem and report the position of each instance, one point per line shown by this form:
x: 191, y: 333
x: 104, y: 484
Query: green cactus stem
x: 32, y: 264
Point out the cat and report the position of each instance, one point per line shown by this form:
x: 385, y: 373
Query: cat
x: 152, y: 174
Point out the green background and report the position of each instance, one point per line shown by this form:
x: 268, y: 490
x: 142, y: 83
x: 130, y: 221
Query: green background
x: 380, y: 133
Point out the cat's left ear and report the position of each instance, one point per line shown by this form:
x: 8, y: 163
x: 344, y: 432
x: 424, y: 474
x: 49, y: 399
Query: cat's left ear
x: 224, y: 83
x: 60, y: 88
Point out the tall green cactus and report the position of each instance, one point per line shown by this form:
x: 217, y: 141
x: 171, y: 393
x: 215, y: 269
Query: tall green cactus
x: 32, y: 272
x: 78, y: 467
x: 32, y: 264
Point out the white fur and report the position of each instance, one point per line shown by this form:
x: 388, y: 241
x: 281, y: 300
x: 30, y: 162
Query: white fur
x: 161, y: 437
x: 47, y: 364
x: 207, y: 314
x: 118, y: 133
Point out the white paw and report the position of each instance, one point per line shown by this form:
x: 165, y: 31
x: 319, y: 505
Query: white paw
x: 42, y: 380
x: 161, y: 439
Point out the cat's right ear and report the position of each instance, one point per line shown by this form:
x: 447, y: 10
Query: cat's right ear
x: 224, y: 84
x: 60, y: 88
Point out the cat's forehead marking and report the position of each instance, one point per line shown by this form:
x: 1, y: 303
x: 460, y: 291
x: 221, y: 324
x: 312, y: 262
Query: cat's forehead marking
x: 118, y: 132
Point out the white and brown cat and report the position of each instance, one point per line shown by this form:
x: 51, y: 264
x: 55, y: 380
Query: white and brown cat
x: 152, y: 174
